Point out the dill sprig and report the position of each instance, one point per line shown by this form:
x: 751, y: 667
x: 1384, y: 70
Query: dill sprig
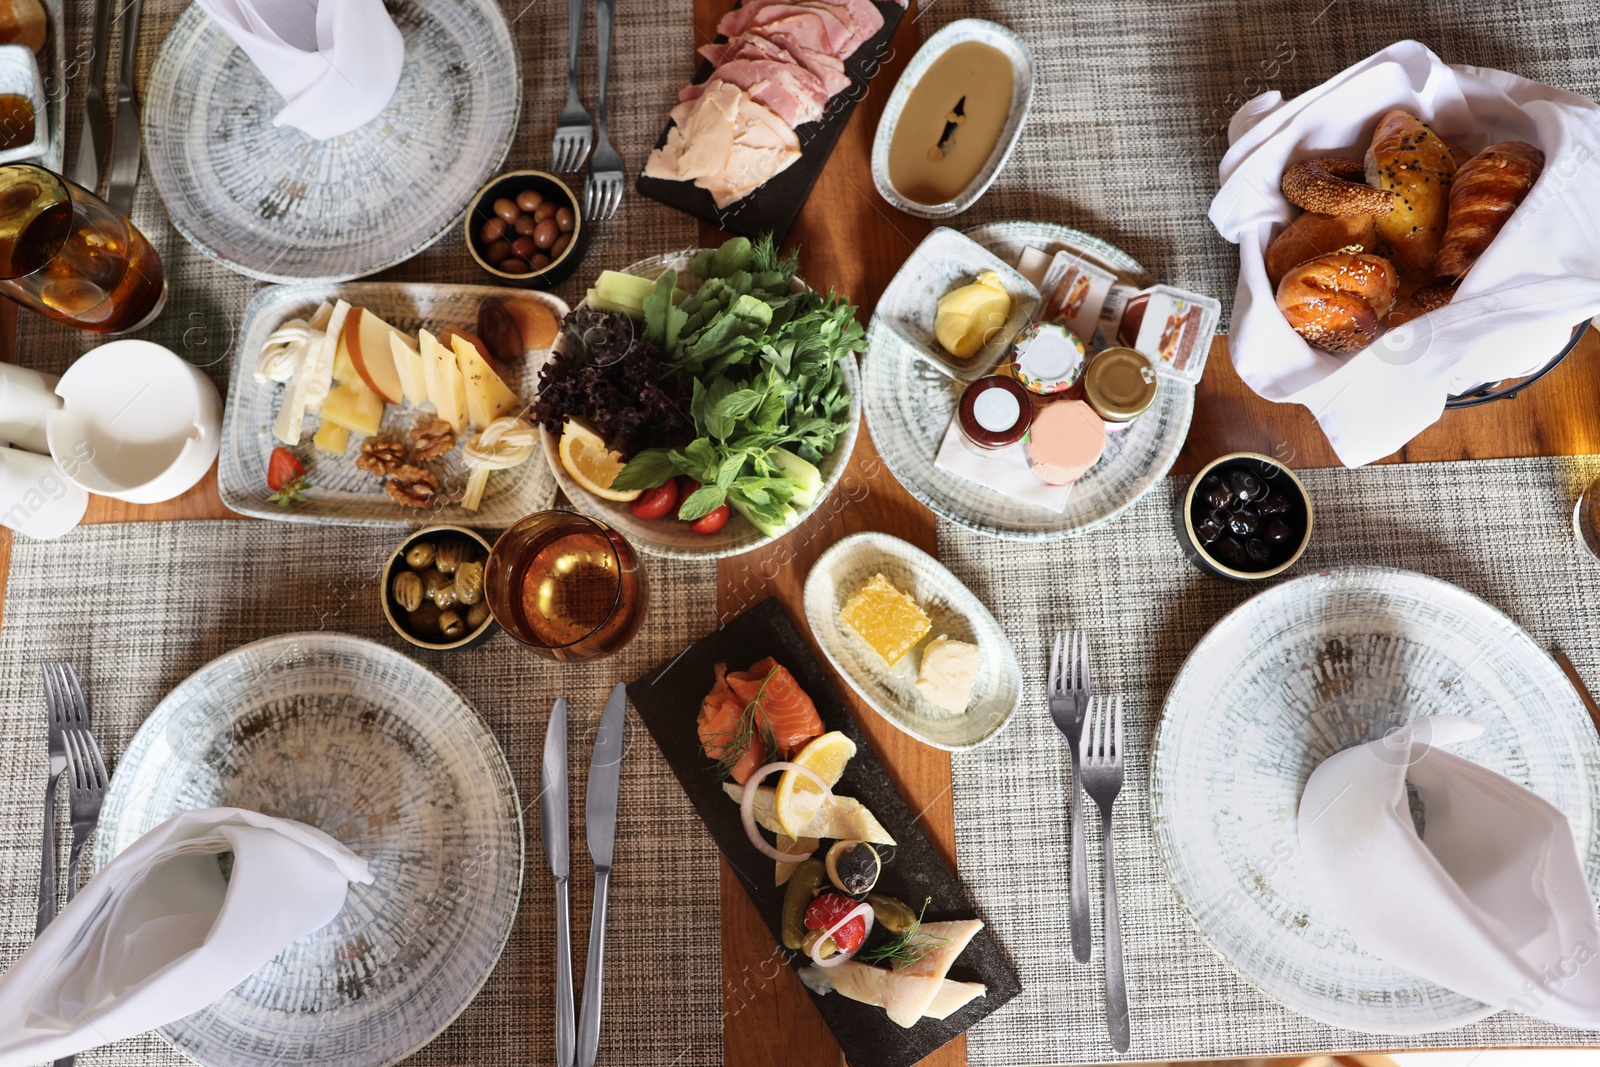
x: 735, y: 743
x: 906, y: 947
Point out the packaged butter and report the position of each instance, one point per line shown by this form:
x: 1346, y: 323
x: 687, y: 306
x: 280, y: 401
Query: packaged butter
x: 1173, y: 328
x: 1046, y: 358
x: 1074, y: 291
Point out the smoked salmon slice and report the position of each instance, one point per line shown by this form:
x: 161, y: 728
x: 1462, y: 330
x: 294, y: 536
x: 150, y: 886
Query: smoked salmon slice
x: 779, y: 711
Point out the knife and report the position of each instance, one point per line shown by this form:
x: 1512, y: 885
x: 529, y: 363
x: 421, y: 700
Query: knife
x: 86, y: 165
x: 553, y: 827
x: 600, y: 810
x: 124, y: 165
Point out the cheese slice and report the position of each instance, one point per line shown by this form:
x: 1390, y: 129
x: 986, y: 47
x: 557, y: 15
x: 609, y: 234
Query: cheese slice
x: 355, y: 407
x: 408, y: 363
x: 331, y: 438
x: 487, y: 396
x: 446, y: 389
x: 321, y: 378
x: 290, y: 421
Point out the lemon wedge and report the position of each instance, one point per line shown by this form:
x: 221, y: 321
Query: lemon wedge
x: 798, y: 799
x: 592, y: 465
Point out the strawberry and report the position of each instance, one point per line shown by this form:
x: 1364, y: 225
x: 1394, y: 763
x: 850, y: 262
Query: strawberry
x: 828, y: 909
x: 286, y: 477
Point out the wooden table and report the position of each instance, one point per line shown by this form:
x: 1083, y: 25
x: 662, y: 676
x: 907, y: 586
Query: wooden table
x: 851, y: 239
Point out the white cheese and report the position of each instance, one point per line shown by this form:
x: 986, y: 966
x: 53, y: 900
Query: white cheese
x: 947, y: 673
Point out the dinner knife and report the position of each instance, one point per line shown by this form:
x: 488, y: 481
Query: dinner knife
x: 124, y: 167
x: 553, y: 827
x: 600, y: 811
x: 92, y: 143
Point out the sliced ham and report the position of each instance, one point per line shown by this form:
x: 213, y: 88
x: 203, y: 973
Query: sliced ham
x: 820, y: 27
x: 725, y: 143
x: 828, y: 69
x: 790, y: 91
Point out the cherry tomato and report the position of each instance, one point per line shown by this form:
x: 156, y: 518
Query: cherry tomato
x: 654, y: 503
x: 711, y: 521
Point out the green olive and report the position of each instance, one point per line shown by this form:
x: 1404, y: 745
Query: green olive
x: 893, y: 915
x: 420, y: 555
x: 797, y: 896
x: 453, y: 553
x: 444, y: 595
x: 477, y: 615
x: 424, y: 622
x: 452, y: 625
x: 407, y: 590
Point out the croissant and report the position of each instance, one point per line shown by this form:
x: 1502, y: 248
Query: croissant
x: 1337, y: 301
x: 1312, y: 234
x: 1410, y: 160
x: 1486, y: 190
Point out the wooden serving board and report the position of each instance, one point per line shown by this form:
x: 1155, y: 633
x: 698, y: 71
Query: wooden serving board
x: 775, y: 205
x: 668, y: 700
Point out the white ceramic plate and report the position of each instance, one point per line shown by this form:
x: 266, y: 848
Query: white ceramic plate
x: 669, y: 537
x: 271, y: 203
x: 951, y: 608
x: 958, y: 32
x: 945, y: 260
x: 1304, y: 670
x: 341, y: 494
x: 381, y: 753
x: 910, y: 402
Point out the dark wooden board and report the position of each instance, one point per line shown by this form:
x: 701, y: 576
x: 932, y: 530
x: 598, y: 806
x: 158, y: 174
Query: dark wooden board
x: 775, y: 205
x: 668, y: 700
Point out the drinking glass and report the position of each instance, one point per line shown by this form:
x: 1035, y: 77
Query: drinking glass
x: 566, y: 585
x: 71, y: 257
x: 1586, y: 519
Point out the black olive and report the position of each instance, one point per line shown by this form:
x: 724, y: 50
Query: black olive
x: 1278, y: 531
x: 1218, y: 496
x: 853, y: 866
x: 1246, y: 484
x: 1257, y: 550
x: 1243, y: 523
x: 1276, y: 504
x: 1208, y: 529
x: 1229, y: 551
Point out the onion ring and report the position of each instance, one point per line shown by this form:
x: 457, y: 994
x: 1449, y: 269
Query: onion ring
x: 839, y: 957
x: 747, y: 804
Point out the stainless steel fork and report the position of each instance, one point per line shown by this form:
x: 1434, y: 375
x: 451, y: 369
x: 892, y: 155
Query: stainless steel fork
x: 86, y: 776
x: 602, y: 190
x: 58, y: 706
x: 1102, y: 780
x: 1069, y: 700
x: 574, y: 129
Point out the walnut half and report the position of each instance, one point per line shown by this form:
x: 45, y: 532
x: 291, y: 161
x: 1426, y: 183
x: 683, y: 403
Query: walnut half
x: 412, y: 487
x: 381, y: 456
x: 430, y: 438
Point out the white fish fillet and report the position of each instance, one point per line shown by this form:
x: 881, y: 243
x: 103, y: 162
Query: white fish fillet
x: 840, y: 818
x: 919, y: 981
x: 880, y: 987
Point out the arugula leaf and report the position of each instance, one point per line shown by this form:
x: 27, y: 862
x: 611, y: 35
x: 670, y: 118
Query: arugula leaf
x: 648, y: 469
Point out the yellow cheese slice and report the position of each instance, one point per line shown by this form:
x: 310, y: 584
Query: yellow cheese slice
x: 408, y: 364
x: 487, y: 396
x: 446, y: 389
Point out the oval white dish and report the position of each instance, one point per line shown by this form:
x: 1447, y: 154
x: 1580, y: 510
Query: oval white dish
x: 953, y: 610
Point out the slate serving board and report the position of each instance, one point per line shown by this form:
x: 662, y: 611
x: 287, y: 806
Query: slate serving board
x: 668, y: 700
x: 775, y: 205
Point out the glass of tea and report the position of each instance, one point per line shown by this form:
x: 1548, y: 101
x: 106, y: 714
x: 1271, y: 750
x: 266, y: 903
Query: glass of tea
x: 566, y: 585
x: 1586, y: 519
x: 71, y: 257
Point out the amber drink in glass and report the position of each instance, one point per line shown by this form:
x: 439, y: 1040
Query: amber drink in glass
x: 568, y: 586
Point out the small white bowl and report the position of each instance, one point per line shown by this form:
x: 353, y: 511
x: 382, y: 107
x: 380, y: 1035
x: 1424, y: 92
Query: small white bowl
x: 958, y: 32
x: 137, y: 423
x: 951, y: 608
x: 945, y: 260
x: 19, y: 76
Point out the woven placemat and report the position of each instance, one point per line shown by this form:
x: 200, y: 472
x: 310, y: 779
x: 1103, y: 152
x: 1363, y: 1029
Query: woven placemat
x: 651, y: 58
x: 139, y: 607
x: 1131, y: 100
x: 1502, y: 530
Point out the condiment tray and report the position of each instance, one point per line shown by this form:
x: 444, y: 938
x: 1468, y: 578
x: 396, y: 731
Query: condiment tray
x: 953, y: 610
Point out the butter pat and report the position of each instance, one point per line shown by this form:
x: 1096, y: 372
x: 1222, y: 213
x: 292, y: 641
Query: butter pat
x: 967, y: 317
x: 949, y: 669
x: 885, y: 618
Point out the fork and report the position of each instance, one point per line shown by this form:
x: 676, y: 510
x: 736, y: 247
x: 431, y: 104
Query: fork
x: 1102, y: 780
x: 574, y: 130
x: 59, y: 708
x: 1069, y: 699
x: 86, y: 777
x: 602, y: 190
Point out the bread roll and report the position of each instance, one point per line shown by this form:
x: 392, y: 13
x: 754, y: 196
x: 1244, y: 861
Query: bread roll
x: 1486, y: 190
x: 1410, y: 160
x: 1337, y: 301
x: 1312, y: 235
x: 22, y: 22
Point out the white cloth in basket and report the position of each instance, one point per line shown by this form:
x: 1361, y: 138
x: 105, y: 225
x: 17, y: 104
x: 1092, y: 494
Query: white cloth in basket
x: 1515, y: 309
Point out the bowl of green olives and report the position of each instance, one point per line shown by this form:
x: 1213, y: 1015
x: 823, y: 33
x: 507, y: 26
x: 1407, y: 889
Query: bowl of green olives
x: 433, y: 588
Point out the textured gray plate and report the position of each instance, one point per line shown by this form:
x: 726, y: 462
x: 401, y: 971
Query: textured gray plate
x: 368, y: 746
x: 272, y: 203
x: 952, y: 609
x: 341, y: 494
x: 1304, y: 670
x: 673, y: 539
x: 910, y: 403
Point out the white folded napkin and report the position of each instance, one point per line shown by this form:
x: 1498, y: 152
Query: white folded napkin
x: 1491, y: 901
x: 159, y: 933
x: 334, y: 62
x: 1005, y: 470
x: 1515, y: 309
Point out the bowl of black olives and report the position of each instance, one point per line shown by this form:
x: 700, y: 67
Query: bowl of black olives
x: 1244, y: 517
x: 433, y: 588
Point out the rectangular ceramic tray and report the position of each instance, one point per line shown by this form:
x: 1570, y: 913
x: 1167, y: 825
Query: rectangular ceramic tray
x: 775, y: 205
x: 340, y: 494
x: 668, y: 700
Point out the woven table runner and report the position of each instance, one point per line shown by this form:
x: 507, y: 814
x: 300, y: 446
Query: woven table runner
x: 1131, y: 100
x: 1502, y: 530
x: 137, y: 608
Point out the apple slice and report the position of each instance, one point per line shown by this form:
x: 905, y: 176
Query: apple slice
x: 487, y: 396
x: 367, y: 338
x: 445, y: 386
x: 408, y: 367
